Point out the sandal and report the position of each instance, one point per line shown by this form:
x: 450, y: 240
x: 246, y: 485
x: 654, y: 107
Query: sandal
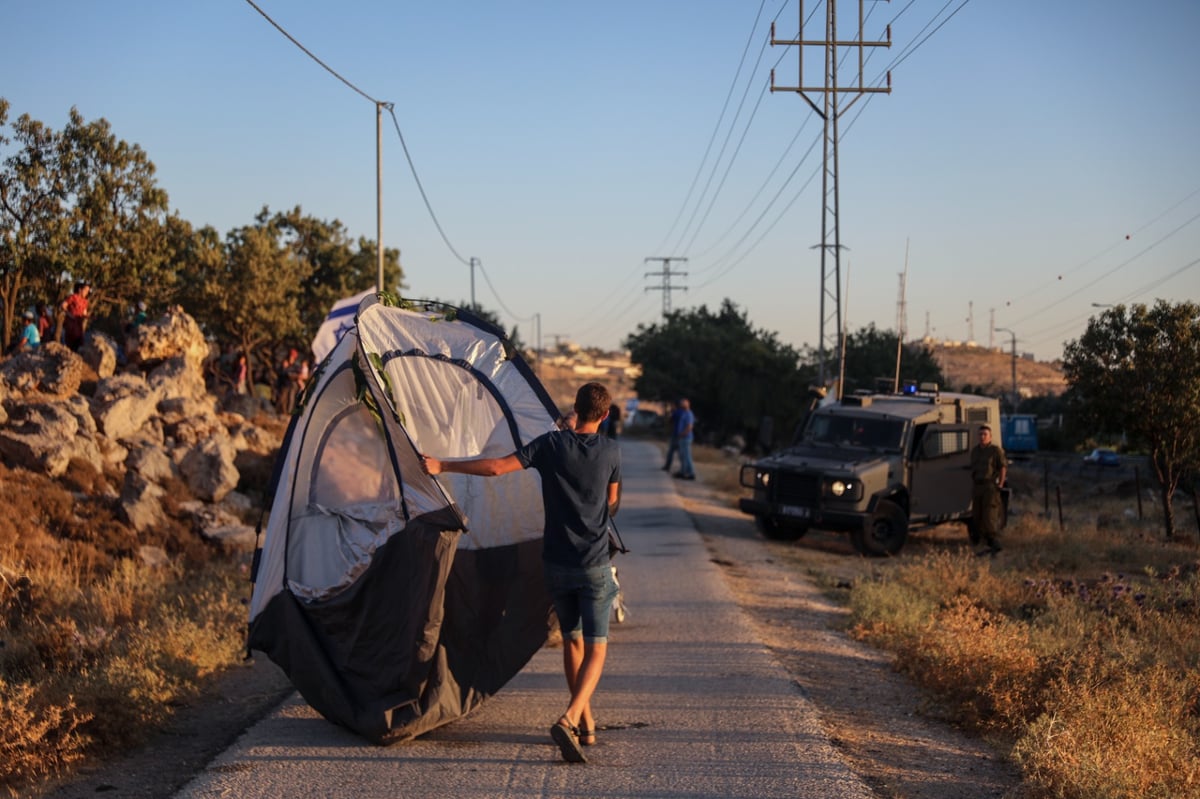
x: 587, y: 737
x: 567, y: 737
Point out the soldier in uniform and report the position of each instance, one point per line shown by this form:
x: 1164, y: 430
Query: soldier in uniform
x: 989, y: 468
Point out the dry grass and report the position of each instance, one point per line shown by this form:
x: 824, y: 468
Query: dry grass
x: 96, y: 646
x: 1079, y: 649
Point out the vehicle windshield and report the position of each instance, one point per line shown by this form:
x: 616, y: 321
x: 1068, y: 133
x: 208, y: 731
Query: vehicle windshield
x: 867, y: 432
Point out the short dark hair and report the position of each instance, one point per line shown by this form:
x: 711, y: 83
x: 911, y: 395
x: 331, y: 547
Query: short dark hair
x: 592, y: 402
x: 986, y: 427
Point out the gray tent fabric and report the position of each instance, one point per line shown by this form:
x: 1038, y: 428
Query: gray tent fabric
x: 397, y: 602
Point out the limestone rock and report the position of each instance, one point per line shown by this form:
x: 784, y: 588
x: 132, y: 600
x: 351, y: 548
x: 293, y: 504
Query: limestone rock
x: 40, y: 436
x: 217, y: 524
x: 141, y: 502
x: 111, y: 452
x: 174, y: 335
x: 152, y: 463
x: 100, y: 353
x: 154, y: 557
x: 123, y: 404
x: 175, y: 378
x: 247, y: 436
x: 209, y: 469
x: 52, y: 369
x: 190, y: 420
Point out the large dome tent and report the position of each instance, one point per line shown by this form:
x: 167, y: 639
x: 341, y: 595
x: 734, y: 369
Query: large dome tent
x: 397, y: 602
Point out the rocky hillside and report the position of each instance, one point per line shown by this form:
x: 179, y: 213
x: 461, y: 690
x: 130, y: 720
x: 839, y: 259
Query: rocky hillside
x: 152, y: 440
x: 991, y: 371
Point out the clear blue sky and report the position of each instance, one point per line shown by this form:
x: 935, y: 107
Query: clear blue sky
x: 1033, y: 157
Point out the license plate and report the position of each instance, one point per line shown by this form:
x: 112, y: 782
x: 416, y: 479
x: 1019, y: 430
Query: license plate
x: 794, y: 511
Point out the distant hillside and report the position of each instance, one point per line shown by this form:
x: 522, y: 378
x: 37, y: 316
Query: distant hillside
x: 982, y: 368
x: 991, y: 370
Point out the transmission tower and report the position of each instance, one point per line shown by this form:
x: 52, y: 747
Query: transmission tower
x: 666, y: 274
x: 830, y: 110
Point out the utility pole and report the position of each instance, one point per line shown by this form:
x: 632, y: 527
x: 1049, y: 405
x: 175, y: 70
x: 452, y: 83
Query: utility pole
x: 1015, y: 395
x: 901, y: 319
x: 829, y: 111
x: 379, y: 194
x: 474, y: 263
x: 666, y: 274
x: 537, y: 367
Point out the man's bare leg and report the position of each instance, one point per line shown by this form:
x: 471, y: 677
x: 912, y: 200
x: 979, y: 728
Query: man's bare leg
x: 583, y: 664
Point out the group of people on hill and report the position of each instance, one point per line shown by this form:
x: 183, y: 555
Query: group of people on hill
x: 39, y: 324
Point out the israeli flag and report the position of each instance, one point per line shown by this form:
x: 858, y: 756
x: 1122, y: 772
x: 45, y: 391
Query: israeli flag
x: 339, y: 320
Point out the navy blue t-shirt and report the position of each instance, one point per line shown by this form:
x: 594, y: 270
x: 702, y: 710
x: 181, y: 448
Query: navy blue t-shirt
x: 576, y: 469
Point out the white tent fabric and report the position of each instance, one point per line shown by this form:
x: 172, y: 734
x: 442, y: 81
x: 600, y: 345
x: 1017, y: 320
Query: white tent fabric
x: 396, y: 602
x: 339, y: 320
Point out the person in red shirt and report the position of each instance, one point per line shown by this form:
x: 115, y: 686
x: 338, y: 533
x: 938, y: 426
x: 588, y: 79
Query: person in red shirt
x: 76, y: 309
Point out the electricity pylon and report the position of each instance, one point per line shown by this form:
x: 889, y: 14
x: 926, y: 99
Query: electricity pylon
x: 666, y: 274
x: 830, y: 110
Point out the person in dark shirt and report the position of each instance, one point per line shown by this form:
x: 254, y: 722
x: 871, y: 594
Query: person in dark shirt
x: 989, y: 470
x: 581, y: 474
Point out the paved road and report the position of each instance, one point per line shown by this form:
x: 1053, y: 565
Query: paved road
x: 691, y: 704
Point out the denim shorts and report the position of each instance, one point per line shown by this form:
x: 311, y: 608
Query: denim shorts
x: 582, y: 600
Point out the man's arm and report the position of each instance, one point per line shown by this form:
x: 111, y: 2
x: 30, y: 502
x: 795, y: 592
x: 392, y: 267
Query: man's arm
x: 614, y: 496
x: 483, y: 467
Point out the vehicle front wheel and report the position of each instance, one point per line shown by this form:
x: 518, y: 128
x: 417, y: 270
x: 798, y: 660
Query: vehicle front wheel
x: 778, y: 531
x: 884, y: 533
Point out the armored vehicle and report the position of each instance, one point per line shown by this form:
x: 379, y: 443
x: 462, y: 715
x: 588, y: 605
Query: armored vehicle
x: 874, y: 465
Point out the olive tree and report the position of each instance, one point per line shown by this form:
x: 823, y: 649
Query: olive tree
x: 1136, y: 371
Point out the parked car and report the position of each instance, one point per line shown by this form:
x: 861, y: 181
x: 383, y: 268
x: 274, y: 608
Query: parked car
x: 1102, y: 457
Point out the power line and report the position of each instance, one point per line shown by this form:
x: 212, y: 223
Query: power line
x: 908, y: 50
x: 713, y: 137
x: 1112, y: 271
x: 309, y: 53
x: 412, y: 167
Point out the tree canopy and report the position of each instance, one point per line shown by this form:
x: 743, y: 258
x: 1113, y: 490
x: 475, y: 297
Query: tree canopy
x: 733, y: 375
x: 1136, y: 371
x: 78, y: 204
x: 871, y: 361
x: 82, y: 204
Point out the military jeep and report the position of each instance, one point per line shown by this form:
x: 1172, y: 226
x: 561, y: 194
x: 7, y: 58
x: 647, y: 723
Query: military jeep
x: 875, y: 466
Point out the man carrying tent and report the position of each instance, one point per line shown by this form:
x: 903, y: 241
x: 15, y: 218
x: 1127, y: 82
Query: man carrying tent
x: 581, y: 473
